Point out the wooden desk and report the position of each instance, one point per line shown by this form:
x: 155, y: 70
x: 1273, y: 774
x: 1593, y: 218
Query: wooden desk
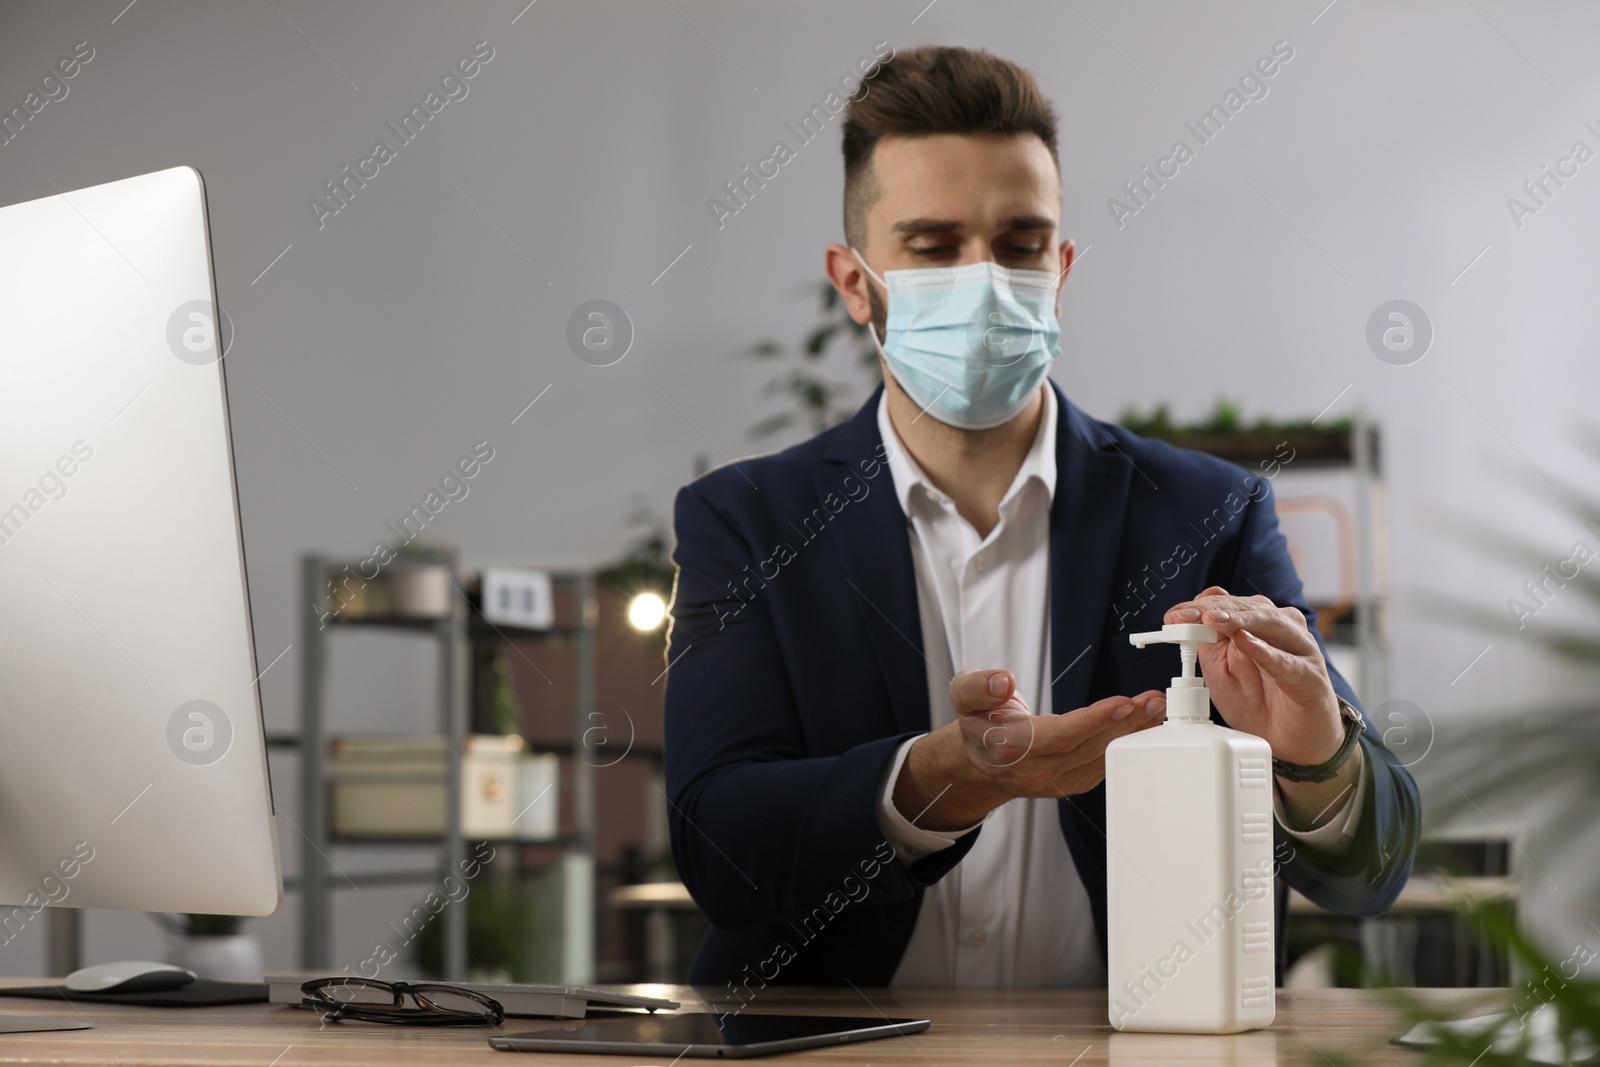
x: 969, y: 1028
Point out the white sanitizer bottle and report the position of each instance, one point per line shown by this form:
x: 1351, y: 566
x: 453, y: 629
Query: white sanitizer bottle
x: 1189, y: 865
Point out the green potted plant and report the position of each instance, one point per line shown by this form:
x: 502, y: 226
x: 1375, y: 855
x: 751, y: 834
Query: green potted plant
x: 1225, y: 432
x: 812, y: 399
x: 1546, y: 757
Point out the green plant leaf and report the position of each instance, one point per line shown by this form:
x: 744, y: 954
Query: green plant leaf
x: 816, y: 401
x: 817, y: 343
x: 772, y: 424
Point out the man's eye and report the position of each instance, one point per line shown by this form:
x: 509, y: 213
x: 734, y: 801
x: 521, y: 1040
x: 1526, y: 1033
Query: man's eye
x: 933, y: 251
x: 1024, y: 251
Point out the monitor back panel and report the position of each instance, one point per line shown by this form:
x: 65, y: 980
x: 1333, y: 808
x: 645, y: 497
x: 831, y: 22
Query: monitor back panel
x: 132, y: 768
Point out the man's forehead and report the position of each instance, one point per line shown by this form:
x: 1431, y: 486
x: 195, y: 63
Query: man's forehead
x: 942, y: 182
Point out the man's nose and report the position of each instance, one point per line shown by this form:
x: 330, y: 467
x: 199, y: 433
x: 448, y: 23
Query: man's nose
x: 976, y: 250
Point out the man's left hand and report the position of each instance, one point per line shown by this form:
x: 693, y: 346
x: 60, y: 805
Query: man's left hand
x: 1266, y: 674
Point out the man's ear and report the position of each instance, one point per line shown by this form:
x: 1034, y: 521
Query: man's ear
x: 845, y: 272
x: 1069, y: 254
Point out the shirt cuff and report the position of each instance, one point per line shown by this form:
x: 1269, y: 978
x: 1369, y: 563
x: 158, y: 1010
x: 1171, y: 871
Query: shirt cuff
x: 910, y: 843
x: 1335, y: 834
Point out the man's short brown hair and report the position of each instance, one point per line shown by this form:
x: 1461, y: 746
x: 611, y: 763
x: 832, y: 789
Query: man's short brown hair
x: 931, y: 90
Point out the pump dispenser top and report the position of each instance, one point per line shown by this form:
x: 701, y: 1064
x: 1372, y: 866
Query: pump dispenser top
x: 1188, y: 699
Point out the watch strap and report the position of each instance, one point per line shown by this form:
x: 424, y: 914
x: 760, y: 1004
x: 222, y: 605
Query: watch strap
x: 1322, y: 772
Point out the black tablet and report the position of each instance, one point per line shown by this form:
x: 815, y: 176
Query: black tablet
x: 703, y: 1035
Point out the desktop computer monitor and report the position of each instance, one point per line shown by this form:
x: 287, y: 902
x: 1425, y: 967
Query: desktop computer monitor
x: 133, y: 772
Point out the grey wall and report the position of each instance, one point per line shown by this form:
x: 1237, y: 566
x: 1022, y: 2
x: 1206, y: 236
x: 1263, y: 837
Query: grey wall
x: 427, y: 314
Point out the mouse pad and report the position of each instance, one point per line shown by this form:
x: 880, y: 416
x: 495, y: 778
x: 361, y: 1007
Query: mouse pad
x: 201, y: 993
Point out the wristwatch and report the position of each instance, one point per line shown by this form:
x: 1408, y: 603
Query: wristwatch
x: 1322, y: 772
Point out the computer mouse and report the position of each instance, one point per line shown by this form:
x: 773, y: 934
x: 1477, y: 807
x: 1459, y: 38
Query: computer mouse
x: 128, y: 976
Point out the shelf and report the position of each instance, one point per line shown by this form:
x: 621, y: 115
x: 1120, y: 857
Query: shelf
x: 367, y: 879
x: 559, y: 841
x: 386, y: 622
x: 1249, y: 448
x: 566, y: 748
x: 1430, y: 894
x: 480, y: 625
x: 535, y: 748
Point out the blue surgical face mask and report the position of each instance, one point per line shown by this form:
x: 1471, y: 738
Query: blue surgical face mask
x: 969, y: 345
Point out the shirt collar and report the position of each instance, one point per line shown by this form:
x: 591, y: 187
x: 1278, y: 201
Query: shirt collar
x: 1040, y: 462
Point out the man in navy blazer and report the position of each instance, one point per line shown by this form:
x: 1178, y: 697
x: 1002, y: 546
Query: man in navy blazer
x: 798, y: 663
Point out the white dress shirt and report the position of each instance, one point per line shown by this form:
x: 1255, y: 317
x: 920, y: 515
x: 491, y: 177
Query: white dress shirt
x: 1014, y: 911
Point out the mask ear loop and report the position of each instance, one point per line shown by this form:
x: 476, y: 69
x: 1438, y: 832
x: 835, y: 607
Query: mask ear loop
x: 868, y: 269
x: 872, y: 330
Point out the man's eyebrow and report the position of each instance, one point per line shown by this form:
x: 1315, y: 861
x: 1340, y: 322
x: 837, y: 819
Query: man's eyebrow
x: 914, y: 226
x: 1016, y: 222
x: 1028, y: 222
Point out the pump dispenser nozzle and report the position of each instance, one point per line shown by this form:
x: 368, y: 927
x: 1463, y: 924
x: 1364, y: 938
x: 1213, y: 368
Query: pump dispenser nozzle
x: 1188, y: 699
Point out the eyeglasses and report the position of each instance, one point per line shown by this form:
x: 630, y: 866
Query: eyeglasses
x: 431, y: 1003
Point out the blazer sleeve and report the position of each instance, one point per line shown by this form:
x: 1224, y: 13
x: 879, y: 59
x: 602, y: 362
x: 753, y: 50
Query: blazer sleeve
x: 1365, y: 878
x: 762, y: 830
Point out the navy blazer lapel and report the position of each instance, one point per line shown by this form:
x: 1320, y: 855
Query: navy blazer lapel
x: 1086, y: 518
x: 874, y: 545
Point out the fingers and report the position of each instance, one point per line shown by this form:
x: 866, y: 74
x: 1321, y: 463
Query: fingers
x: 1027, y: 752
x: 1103, y: 722
x: 1051, y: 755
x: 976, y: 691
x: 1300, y: 677
x: 1082, y: 766
x: 1211, y: 597
x: 1282, y: 628
x: 1091, y: 754
x: 1146, y: 709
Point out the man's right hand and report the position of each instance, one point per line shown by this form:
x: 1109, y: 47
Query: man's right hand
x: 997, y: 750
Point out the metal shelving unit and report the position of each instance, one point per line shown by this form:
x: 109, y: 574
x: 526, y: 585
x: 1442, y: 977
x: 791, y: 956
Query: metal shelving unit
x: 453, y: 634
x: 1360, y: 620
